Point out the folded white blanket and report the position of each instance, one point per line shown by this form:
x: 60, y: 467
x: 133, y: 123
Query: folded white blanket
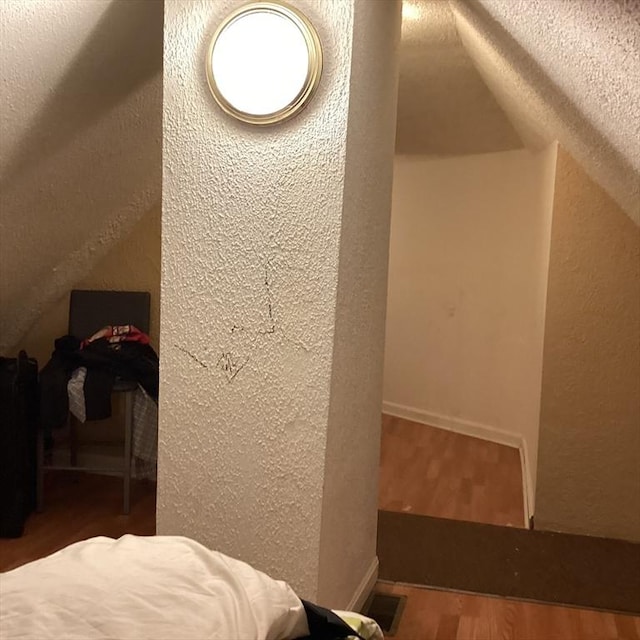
x: 150, y: 588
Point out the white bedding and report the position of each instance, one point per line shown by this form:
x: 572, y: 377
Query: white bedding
x: 152, y: 588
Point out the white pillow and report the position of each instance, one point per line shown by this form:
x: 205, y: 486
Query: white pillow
x: 146, y: 588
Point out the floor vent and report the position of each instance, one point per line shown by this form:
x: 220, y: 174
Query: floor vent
x: 386, y: 610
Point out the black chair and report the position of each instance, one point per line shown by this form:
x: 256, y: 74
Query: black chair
x: 90, y: 311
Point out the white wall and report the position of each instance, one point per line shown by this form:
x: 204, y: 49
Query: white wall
x: 467, y: 286
x: 353, y: 434
x: 253, y: 273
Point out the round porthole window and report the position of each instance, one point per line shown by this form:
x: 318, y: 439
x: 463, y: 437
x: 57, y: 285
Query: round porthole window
x: 264, y: 63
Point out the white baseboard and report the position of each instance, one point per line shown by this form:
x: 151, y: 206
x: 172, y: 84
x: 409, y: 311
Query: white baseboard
x: 527, y: 483
x: 475, y: 430
x: 459, y: 425
x: 365, y: 587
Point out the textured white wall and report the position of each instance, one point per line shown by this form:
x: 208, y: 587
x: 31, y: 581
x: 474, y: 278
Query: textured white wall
x: 251, y: 239
x: 591, y: 52
x: 566, y: 71
x: 467, y: 287
x: 350, y: 508
x: 80, y: 142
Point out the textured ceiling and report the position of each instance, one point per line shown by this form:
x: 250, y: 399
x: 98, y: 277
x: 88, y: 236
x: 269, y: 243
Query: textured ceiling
x: 483, y: 75
x: 444, y: 106
x: 570, y: 74
x: 589, y: 50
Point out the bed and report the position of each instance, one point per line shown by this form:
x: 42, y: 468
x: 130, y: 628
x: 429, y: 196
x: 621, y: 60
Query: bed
x: 157, y: 588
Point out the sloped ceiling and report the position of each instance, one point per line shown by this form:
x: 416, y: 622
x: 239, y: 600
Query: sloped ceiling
x: 444, y: 105
x: 80, y: 142
x: 476, y: 71
x: 570, y: 74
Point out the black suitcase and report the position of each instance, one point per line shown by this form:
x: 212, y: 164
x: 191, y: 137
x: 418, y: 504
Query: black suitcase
x: 18, y: 442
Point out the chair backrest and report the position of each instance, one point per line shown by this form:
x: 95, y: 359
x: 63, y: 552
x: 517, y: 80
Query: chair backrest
x: 89, y: 311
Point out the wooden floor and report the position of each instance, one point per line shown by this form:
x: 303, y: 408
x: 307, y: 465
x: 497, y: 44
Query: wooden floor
x: 445, y: 615
x: 80, y: 506
x: 434, y: 472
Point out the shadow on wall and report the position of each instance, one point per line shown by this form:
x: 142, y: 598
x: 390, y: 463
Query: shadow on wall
x: 110, y: 65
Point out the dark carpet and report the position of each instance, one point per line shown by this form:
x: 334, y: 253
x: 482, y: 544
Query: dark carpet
x: 519, y: 563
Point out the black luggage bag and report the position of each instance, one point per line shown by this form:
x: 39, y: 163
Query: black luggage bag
x: 18, y: 442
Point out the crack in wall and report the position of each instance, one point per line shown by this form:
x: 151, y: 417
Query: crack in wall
x: 267, y: 283
x: 192, y: 356
x: 231, y: 364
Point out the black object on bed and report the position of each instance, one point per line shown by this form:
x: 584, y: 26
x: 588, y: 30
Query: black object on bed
x: 326, y: 625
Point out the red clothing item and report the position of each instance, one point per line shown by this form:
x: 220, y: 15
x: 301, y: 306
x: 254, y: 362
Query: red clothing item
x: 118, y: 333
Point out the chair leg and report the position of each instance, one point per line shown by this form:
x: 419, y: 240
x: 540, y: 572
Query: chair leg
x: 40, y: 473
x: 73, y: 439
x: 128, y: 430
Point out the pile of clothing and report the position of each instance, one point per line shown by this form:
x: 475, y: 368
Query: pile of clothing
x: 80, y: 377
